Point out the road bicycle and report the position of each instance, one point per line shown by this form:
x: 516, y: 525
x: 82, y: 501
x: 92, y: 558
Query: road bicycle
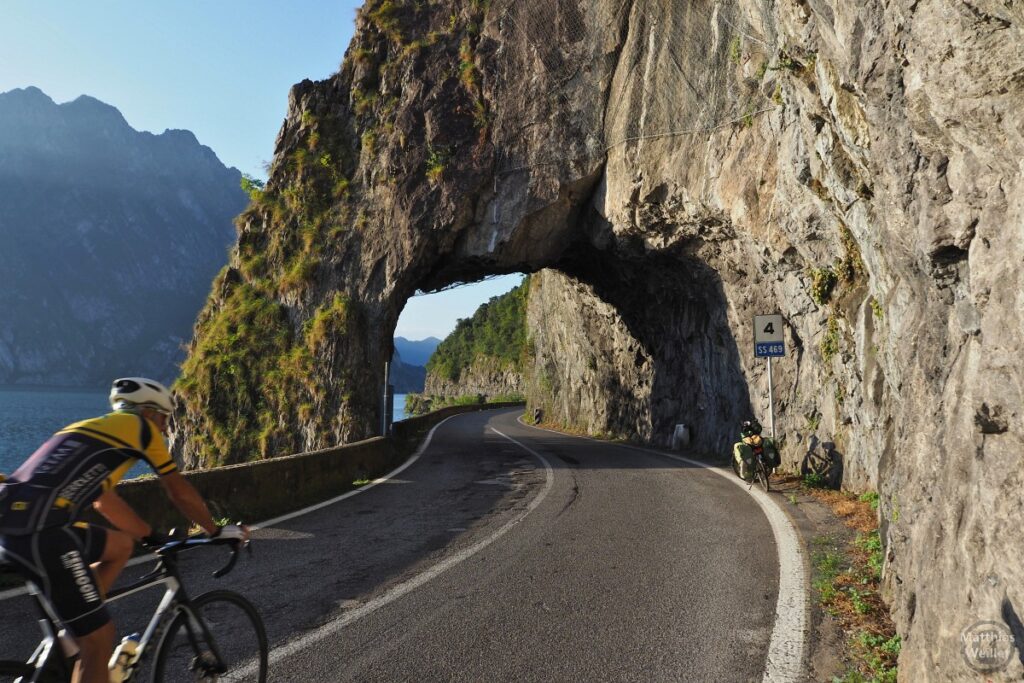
x: 762, y: 470
x: 218, y: 636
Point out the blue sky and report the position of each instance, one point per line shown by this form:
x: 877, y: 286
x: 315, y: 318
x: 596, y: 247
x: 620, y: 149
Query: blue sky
x: 220, y: 68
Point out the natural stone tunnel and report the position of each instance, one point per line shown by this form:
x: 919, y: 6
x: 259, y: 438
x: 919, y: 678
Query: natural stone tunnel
x: 686, y: 165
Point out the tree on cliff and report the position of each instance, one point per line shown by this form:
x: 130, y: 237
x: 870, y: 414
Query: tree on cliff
x: 496, y: 330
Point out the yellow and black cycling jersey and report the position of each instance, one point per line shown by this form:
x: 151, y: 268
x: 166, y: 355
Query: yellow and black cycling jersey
x: 74, y: 467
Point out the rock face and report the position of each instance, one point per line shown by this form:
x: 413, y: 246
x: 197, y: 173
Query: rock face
x: 108, y: 241
x: 588, y: 371
x: 856, y: 167
x: 486, y: 376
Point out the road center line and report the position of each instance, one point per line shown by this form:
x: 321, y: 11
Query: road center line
x: 293, y: 647
x: 788, y: 644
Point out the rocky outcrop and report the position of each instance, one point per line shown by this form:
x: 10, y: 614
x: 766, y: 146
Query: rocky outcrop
x: 109, y: 239
x: 587, y: 371
x: 686, y: 165
x: 486, y: 376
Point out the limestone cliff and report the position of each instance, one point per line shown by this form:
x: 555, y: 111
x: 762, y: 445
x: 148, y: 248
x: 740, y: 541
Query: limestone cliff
x: 687, y: 165
x: 587, y: 371
x: 485, y: 376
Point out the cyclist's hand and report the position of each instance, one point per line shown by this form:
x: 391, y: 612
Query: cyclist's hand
x: 233, y: 532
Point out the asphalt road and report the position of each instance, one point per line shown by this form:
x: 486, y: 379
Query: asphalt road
x: 623, y: 565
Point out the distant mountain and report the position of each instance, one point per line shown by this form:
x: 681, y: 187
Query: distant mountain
x: 416, y: 352
x: 109, y: 240
x: 407, y: 379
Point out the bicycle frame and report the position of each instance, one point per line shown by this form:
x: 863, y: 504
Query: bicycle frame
x: 49, y: 658
x: 758, y: 461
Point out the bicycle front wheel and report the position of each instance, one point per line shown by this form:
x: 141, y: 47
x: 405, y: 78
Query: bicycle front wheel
x: 232, y: 647
x: 15, y: 672
x: 762, y: 474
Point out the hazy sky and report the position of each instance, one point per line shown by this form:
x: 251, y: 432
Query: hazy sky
x: 220, y: 68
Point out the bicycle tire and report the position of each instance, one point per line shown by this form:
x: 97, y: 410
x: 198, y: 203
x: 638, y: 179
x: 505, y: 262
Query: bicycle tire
x: 762, y: 474
x: 15, y: 671
x: 237, y: 632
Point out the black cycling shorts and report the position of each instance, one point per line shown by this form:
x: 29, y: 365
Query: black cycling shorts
x: 57, y: 561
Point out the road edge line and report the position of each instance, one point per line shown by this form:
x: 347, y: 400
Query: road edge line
x: 788, y: 647
x: 326, y: 630
x: 17, y: 592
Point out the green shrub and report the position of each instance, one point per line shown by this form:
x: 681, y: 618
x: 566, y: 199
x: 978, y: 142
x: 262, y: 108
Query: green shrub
x: 813, y: 480
x: 341, y: 188
x: 253, y: 187
x: 871, y: 544
x: 364, y: 101
x: 369, y: 142
x: 467, y: 66
x: 823, y: 281
x: 876, y: 308
x: 871, y: 498
x: 300, y: 274
x: 506, y: 398
x: 735, y: 50
x: 437, y: 160
x: 860, y: 606
x: 385, y: 17
x: 829, y: 566
x: 328, y: 323
x: 830, y: 342
x: 851, y: 267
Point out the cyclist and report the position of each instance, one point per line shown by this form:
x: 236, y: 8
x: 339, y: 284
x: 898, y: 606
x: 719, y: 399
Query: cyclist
x: 743, y: 450
x: 41, y: 503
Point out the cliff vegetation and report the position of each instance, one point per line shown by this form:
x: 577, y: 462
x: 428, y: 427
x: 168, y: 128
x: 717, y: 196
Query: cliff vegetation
x: 496, y: 332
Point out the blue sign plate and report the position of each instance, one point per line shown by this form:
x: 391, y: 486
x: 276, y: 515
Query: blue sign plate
x: 769, y: 350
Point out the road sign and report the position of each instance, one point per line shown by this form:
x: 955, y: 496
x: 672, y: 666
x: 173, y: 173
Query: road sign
x: 769, y: 341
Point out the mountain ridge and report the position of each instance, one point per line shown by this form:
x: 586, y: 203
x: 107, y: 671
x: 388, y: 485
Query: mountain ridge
x: 416, y: 351
x: 110, y: 238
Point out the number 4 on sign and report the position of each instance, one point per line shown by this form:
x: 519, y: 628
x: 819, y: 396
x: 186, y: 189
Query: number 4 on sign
x: 769, y: 328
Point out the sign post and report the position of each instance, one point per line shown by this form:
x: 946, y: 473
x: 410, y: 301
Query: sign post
x: 385, y: 405
x: 769, y: 342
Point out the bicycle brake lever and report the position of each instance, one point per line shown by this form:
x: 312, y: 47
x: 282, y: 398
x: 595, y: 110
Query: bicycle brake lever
x: 229, y: 566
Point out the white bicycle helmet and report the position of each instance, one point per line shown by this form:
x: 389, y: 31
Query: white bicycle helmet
x: 139, y: 392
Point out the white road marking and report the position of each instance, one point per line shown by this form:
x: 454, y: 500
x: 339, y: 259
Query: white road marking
x: 141, y: 559
x: 788, y: 644
x: 293, y: 647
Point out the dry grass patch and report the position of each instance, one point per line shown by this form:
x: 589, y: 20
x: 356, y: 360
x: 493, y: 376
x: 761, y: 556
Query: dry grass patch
x: 847, y: 583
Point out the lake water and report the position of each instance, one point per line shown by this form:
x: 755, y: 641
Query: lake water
x: 29, y: 416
